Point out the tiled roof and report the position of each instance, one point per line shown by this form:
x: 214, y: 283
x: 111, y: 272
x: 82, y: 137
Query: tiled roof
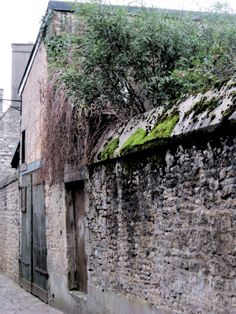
x: 60, y: 6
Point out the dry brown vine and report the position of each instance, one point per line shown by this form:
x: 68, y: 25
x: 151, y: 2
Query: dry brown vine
x: 70, y: 135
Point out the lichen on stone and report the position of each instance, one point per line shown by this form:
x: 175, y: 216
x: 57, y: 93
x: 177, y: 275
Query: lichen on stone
x: 109, y: 149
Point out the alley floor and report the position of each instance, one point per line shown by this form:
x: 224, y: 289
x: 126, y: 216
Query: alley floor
x: 14, y: 299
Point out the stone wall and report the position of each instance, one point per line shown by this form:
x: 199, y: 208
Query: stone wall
x: 162, y: 226
x: 9, y: 226
x: 160, y: 231
x: 9, y: 137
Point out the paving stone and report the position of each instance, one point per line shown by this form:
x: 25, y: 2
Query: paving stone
x: 14, y: 299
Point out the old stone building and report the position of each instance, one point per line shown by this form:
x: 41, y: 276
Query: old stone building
x: 146, y: 227
x: 10, y: 119
x: 9, y: 197
x: 9, y: 144
x: 9, y: 137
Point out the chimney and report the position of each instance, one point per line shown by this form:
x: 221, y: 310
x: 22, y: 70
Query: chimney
x: 20, y: 57
x: 1, y: 97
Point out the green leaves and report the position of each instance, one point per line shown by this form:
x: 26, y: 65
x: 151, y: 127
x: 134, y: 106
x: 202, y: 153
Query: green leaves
x: 136, y: 62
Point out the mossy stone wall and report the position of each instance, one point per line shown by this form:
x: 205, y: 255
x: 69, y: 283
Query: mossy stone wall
x: 162, y: 226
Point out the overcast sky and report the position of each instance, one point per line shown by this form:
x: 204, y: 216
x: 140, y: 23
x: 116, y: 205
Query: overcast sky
x: 20, y: 21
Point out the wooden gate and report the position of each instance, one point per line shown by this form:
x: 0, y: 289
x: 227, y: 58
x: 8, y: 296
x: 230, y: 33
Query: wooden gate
x: 33, y: 257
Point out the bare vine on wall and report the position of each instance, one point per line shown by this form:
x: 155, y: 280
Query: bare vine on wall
x: 69, y: 133
x: 60, y: 144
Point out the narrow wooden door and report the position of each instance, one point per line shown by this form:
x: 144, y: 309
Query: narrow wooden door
x: 75, y: 224
x: 79, y: 210
x: 33, y: 265
x: 39, y: 253
x: 26, y: 234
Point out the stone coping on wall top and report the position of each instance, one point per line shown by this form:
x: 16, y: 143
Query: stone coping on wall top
x: 8, y: 179
x: 202, y: 112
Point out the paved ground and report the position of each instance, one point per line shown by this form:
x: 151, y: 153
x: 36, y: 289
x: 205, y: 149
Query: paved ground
x: 14, y: 299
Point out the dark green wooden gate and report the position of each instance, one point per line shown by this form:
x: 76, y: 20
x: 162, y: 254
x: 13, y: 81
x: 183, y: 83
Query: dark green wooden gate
x: 33, y: 257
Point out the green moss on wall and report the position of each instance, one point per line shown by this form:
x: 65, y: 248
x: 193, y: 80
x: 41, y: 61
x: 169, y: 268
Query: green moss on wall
x: 228, y: 112
x: 136, y: 141
x: 203, y: 105
x: 164, y: 128
x: 137, y: 138
x: 220, y: 83
x: 231, y: 85
x: 109, y: 149
x: 233, y: 96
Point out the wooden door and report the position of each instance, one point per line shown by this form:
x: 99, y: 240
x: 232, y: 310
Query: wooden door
x: 39, y: 253
x: 33, y: 265
x: 75, y: 224
x: 26, y: 234
x: 79, y: 211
